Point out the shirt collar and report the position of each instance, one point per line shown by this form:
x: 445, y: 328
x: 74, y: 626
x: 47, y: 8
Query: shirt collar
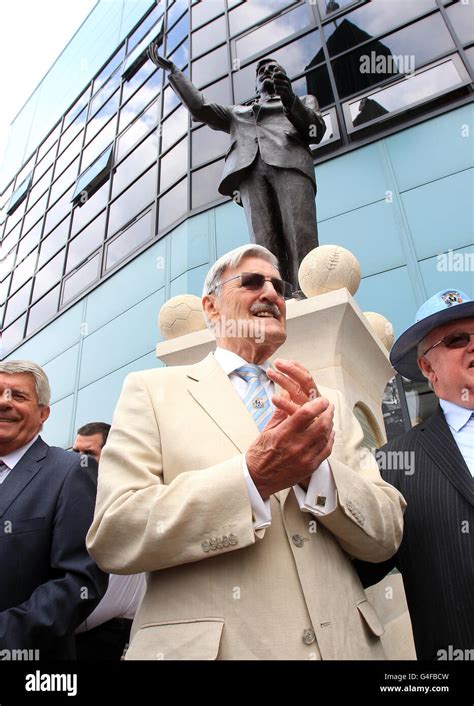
x: 230, y: 361
x: 14, y: 457
x: 456, y: 416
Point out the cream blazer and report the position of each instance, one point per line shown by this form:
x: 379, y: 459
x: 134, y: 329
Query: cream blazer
x: 172, y: 501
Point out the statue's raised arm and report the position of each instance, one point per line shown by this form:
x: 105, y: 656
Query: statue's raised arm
x: 158, y: 60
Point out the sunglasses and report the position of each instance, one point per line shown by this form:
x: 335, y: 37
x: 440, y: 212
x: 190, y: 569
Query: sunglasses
x: 453, y: 340
x: 255, y: 281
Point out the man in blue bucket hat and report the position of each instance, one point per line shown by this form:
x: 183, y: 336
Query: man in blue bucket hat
x: 433, y: 466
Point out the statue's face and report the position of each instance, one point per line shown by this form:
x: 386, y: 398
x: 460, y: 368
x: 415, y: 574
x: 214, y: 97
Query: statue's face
x: 264, y: 76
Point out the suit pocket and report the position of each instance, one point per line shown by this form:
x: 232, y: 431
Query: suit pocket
x: 371, y: 618
x: 22, y: 526
x: 186, y: 640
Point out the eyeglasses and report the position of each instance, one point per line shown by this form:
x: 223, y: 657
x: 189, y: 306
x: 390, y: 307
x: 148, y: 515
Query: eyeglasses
x: 255, y: 281
x: 453, y: 340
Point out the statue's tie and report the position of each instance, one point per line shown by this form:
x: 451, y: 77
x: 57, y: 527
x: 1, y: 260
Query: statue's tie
x: 256, y: 399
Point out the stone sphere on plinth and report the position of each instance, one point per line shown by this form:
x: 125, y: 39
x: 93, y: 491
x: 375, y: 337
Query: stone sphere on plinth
x: 327, y: 268
x: 181, y: 315
x: 382, y: 327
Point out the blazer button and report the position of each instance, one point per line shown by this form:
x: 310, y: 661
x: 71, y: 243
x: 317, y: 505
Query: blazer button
x: 298, y: 540
x: 309, y: 637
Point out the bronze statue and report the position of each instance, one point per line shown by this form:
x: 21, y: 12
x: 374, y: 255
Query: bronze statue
x: 268, y: 166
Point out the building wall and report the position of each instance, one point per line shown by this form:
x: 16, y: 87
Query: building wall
x: 396, y: 204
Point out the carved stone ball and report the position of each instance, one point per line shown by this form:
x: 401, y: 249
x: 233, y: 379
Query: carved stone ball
x: 327, y: 268
x: 382, y: 327
x: 181, y: 315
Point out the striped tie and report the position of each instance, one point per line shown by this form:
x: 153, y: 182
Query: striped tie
x: 256, y: 399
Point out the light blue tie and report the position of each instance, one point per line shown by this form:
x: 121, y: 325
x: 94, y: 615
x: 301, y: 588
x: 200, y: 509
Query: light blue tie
x: 256, y: 399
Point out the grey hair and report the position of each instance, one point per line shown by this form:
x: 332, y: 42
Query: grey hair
x: 232, y: 260
x: 43, y: 390
x: 419, y: 354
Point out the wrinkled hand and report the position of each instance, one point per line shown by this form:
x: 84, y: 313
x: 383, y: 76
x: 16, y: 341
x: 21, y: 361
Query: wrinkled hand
x: 295, y: 380
x: 282, y: 87
x: 158, y: 60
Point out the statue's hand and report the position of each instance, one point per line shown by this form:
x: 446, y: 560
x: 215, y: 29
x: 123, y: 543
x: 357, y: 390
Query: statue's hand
x: 158, y: 60
x: 283, y: 88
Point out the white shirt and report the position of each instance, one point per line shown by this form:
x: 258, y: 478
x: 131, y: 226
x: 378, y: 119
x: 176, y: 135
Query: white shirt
x: 10, y: 460
x: 321, y: 483
x: 461, y: 422
x: 121, y: 600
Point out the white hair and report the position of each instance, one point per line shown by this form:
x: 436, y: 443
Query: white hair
x: 232, y: 260
x: 43, y: 390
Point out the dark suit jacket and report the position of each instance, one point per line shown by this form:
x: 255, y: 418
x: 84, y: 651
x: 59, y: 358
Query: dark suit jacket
x: 49, y: 582
x: 281, y: 137
x: 436, y: 554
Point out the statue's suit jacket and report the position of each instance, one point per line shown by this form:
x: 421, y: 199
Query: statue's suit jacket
x: 282, y: 137
x: 172, y: 501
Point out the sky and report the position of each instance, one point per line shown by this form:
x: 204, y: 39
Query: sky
x: 32, y: 35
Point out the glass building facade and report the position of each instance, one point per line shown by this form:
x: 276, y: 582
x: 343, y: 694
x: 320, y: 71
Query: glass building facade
x: 115, y: 182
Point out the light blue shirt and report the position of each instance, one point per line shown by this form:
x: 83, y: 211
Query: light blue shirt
x: 461, y: 423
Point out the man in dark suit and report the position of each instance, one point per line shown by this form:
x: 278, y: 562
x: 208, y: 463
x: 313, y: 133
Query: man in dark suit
x: 433, y: 466
x: 269, y: 166
x: 49, y: 582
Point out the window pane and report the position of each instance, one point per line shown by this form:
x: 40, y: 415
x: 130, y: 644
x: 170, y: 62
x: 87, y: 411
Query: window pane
x: 174, y: 127
x: 273, y: 32
x: 102, y: 117
x: 204, y: 11
x: 98, y: 144
x: 77, y: 107
x: 208, y: 144
x: 109, y: 68
x: 29, y: 241
x: 54, y: 242
x: 45, y: 163
x: 137, y: 129
x: 170, y: 101
x: 86, y: 242
x: 326, y: 9
x: 142, y: 98
x: 81, y: 279
x: 180, y: 56
x: 204, y: 184
x: 40, y: 187
x: 23, y: 271
x: 396, y: 97
x: 10, y: 240
x: 17, y: 304
x: 89, y: 180
x: 176, y: 10
x: 6, y: 263
x: 146, y: 25
x: 49, y: 275
x: 130, y: 86
x: 135, y: 163
x: 135, y: 199
x: 317, y: 84
x: 296, y: 57
x: 57, y: 212
x: 207, y: 37
x: 12, y: 335
x: 43, y: 310
x: 128, y: 241
x: 104, y: 94
x: 174, y: 164
x: 68, y: 155
x: 218, y: 92
x: 91, y: 207
x: 48, y: 143
x: 173, y: 205
x: 177, y: 34
x: 67, y: 178
x: 462, y: 18
x: 35, y: 213
x: 210, y: 66
x: 19, y: 195
x: 249, y: 13
x: 394, y: 55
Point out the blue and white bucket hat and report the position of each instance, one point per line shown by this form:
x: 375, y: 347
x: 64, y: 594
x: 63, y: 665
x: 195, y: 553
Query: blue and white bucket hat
x: 443, y: 307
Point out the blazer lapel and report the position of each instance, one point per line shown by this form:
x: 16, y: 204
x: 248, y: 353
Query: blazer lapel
x: 19, y: 477
x: 213, y: 391
x: 439, y: 444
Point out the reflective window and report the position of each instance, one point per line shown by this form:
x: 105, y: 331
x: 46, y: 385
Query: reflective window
x: 86, y: 242
x: 25, y: 172
x: 177, y: 34
x: 174, y: 127
x: 370, y: 20
x: 174, y: 164
x: 250, y: 13
x: 204, y: 184
x: 53, y: 242
x: 396, y: 54
x: 90, y: 208
x: 136, y: 163
x: 142, y: 98
x: 316, y: 83
x: 43, y: 310
x: 6, y: 263
x: 470, y: 57
x: 17, y: 304
x: 175, y: 11
x: 180, y: 56
x: 208, y: 36
x: 73, y: 130
x: 23, y: 271
x: 65, y: 180
x: 3, y: 293
x: 49, y: 142
x: 77, y: 107
x: 147, y: 23
x: 170, y: 101
x: 101, y: 118
x: 98, y: 144
x: 57, y: 212
x: 93, y: 177
x: 297, y: 56
x: 218, y: 92
x: 45, y: 163
x: 173, y: 205
x: 40, y: 187
x: 104, y: 94
x: 13, y: 335
x: 19, y: 194
x: 138, y: 56
x: 328, y: 8
x: 140, y: 127
x: 49, y: 275
x: 399, y: 96
x: 210, y: 66
x: 17, y: 215
x: 244, y: 83
x: 109, y: 68
x: 273, y: 32
x: 208, y: 144
x: 68, y: 155
x: 30, y: 219
x: 135, y: 235
x: 81, y: 279
x: 130, y: 86
x: 204, y: 11
x: 10, y: 240
x: 462, y: 18
x: 132, y: 201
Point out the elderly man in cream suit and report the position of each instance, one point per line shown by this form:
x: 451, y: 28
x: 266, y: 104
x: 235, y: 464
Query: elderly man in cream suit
x: 244, y: 506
